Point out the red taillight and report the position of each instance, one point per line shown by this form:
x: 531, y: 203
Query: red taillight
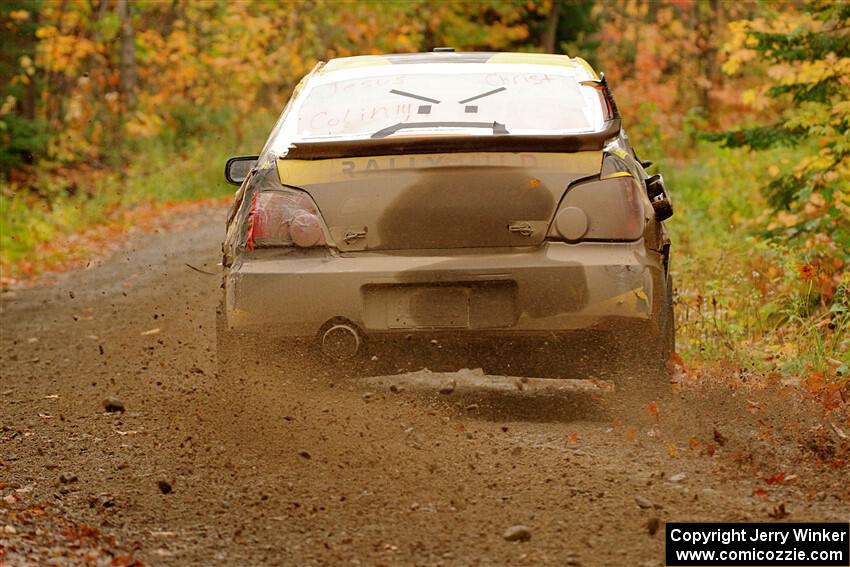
x: 284, y: 218
x: 610, y: 209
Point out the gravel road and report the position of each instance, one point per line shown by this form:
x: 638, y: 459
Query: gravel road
x: 283, y: 468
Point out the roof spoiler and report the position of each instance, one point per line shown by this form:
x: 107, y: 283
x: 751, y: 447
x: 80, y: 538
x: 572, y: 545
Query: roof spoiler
x: 454, y: 144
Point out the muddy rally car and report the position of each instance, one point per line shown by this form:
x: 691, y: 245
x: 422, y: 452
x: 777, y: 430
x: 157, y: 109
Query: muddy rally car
x: 476, y: 209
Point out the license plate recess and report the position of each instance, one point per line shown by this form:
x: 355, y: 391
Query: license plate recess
x: 481, y: 305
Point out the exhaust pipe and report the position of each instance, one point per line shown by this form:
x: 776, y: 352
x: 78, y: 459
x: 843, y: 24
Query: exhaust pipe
x: 341, y: 342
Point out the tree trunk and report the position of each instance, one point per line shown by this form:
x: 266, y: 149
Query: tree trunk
x: 712, y: 27
x: 128, y: 56
x: 551, y: 35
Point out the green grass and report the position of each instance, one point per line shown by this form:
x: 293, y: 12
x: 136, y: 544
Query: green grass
x: 37, y: 228
x: 740, y: 296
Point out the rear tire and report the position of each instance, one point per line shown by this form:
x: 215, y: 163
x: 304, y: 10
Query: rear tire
x: 668, y: 327
x: 643, y: 352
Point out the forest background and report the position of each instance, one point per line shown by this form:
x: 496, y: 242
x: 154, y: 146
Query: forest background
x: 113, y: 111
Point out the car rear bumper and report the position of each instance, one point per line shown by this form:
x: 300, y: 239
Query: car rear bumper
x: 541, y: 290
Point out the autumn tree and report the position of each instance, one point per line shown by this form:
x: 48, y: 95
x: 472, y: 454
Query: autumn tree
x: 22, y: 133
x: 806, y: 57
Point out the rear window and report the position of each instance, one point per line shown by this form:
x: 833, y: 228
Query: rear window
x: 467, y: 98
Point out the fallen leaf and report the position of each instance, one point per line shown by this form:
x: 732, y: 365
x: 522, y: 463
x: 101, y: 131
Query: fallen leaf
x: 760, y: 492
x: 652, y: 409
x: 676, y: 359
x: 815, y: 381
x: 778, y: 478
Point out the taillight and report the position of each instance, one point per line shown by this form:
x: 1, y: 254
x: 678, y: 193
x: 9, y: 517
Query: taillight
x: 284, y: 218
x: 610, y: 209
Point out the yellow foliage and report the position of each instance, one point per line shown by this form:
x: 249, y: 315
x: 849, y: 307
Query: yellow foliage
x: 144, y: 125
x: 19, y: 15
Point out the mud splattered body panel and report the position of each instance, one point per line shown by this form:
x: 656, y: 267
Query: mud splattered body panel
x: 434, y: 201
x: 421, y: 194
x: 486, y: 305
x: 539, y: 290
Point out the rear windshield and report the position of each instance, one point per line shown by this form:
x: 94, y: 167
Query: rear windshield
x: 426, y: 102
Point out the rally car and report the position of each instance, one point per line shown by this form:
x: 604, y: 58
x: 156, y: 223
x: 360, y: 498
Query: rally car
x: 447, y: 198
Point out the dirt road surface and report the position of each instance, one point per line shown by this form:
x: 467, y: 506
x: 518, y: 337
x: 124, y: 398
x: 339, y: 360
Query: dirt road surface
x: 269, y: 468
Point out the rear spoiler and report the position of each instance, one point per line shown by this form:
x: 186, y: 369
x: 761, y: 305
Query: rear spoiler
x: 454, y: 144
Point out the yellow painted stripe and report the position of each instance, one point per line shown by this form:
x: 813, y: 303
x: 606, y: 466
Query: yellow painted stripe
x: 354, y: 62
x: 618, y: 174
x: 532, y: 59
x: 634, y: 302
x: 587, y: 66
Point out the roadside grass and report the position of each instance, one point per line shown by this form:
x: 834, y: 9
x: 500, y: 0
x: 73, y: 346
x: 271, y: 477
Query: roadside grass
x: 742, y: 300
x: 66, y: 215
